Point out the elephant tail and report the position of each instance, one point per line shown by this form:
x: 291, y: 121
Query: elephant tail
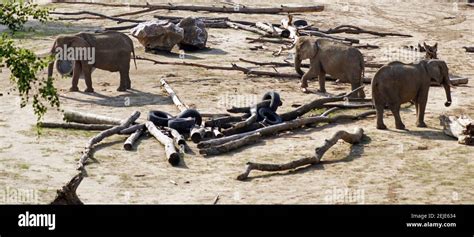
x: 134, y: 58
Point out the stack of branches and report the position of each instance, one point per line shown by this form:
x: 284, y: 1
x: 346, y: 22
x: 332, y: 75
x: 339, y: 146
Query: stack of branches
x: 244, y: 132
x: 109, y: 127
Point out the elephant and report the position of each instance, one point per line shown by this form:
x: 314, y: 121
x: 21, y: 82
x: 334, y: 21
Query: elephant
x: 326, y: 56
x: 397, y: 83
x: 110, y: 51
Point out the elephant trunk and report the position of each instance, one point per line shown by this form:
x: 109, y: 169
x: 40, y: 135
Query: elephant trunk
x: 447, y: 88
x: 298, y: 65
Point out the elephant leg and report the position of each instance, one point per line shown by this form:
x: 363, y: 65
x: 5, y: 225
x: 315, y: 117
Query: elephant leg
x: 322, y: 81
x: 87, y: 69
x: 75, y: 76
x: 124, y: 81
x: 421, y: 101
x: 360, y: 94
x: 379, y: 107
x: 395, y: 108
x: 308, y: 75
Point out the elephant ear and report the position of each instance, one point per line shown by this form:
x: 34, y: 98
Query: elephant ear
x: 433, y: 68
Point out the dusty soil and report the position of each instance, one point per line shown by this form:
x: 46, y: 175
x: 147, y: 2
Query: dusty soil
x: 420, y: 165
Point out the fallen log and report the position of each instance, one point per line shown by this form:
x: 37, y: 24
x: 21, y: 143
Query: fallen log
x: 269, y: 28
x: 132, y: 139
x: 181, y: 106
x: 250, y: 127
x: 235, y: 67
x: 118, y: 28
x: 351, y: 138
x: 171, y: 154
x: 223, y: 9
x: 217, y: 133
x: 79, y: 126
x: 232, y: 145
x: 197, y: 134
x: 469, y: 49
x: 88, y: 118
x: 271, y: 40
x: 178, y: 139
x: 67, y: 194
x: 461, y: 127
x: 304, y: 65
x: 348, y: 106
x: 132, y: 129
x: 217, y: 122
x: 102, y: 135
x: 350, y: 29
x: 318, y: 103
x: 324, y: 35
x: 288, y: 125
x: 235, y: 25
x: 98, y: 16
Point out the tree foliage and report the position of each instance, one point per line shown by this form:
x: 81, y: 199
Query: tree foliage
x: 14, y: 14
x: 24, y: 64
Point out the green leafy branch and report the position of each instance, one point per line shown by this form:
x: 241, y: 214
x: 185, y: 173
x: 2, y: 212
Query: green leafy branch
x: 14, y: 14
x: 25, y: 66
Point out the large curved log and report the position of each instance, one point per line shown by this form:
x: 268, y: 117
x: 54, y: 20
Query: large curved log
x: 101, y: 136
x: 351, y: 138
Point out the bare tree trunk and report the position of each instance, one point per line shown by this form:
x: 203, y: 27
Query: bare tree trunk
x: 67, y: 194
x: 226, y: 147
x: 181, y: 106
x: 88, y: 118
x: 223, y: 9
x: 350, y: 29
x: 171, y: 154
x: 107, y: 133
x: 90, y: 127
x: 351, y: 138
x: 133, y: 129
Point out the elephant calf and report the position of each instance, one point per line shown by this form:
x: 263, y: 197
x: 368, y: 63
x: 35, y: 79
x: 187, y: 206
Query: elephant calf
x: 397, y: 83
x: 110, y: 51
x: 341, y: 61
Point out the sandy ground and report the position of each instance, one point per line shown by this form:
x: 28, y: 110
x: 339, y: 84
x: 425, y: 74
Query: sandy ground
x: 420, y: 165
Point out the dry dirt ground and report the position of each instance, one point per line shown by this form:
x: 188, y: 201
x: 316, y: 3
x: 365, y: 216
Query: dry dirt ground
x: 420, y: 165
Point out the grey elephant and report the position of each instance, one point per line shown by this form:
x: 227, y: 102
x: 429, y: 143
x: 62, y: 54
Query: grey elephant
x: 326, y: 56
x: 110, y: 51
x: 397, y: 83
